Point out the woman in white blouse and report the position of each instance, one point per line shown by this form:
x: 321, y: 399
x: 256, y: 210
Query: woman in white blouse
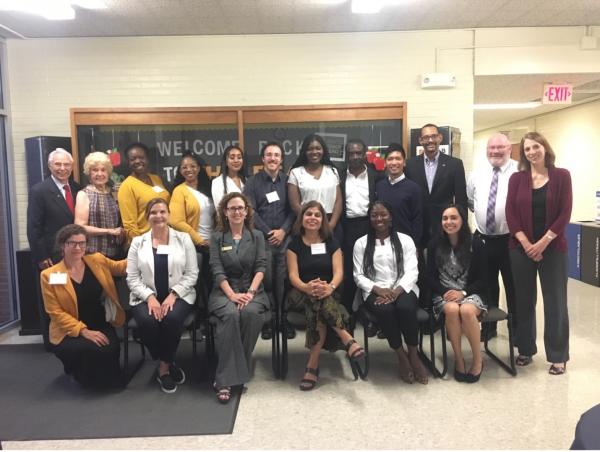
x: 313, y: 177
x: 385, y: 269
x: 233, y: 174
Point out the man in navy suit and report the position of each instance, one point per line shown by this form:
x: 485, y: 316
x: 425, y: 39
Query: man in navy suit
x: 51, y: 206
x: 441, y: 178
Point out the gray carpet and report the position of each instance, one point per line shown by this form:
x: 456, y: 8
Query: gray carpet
x: 39, y: 402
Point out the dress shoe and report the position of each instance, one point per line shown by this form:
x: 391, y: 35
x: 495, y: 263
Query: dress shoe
x: 491, y: 334
x: 266, y: 333
x: 291, y: 332
x: 371, y: 329
x: 380, y: 334
x: 471, y: 378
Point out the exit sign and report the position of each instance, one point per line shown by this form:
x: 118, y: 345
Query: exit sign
x: 557, y: 94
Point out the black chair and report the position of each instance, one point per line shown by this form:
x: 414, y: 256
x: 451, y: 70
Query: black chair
x: 499, y: 315
x: 427, y: 325
x: 271, y: 318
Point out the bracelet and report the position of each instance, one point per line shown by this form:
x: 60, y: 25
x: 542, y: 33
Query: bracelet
x: 332, y: 286
x: 550, y: 238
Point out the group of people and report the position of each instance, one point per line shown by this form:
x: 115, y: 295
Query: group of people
x: 397, y: 240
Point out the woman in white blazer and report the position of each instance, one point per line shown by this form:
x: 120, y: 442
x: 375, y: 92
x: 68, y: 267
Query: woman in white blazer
x: 162, y: 270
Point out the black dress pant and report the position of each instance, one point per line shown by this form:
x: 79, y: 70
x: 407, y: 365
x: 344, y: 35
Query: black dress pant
x: 498, y: 261
x: 354, y: 228
x: 91, y: 365
x: 397, y: 318
x: 161, y: 338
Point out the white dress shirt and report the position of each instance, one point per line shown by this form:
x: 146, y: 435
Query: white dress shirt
x: 218, y: 191
x: 357, y: 195
x: 384, y: 261
x: 478, y: 192
x: 323, y: 189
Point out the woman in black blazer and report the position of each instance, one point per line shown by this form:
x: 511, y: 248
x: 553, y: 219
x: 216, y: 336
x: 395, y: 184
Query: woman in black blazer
x: 238, y: 300
x: 456, y: 276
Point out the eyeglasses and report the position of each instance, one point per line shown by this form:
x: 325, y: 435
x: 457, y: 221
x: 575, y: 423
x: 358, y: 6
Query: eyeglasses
x: 237, y: 209
x: 429, y: 137
x: 73, y: 244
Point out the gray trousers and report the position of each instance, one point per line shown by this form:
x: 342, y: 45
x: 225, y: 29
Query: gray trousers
x: 553, y: 272
x: 235, y: 337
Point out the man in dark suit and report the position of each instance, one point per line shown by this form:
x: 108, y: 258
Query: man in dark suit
x: 441, y: 178
x: 358, y: 191
x: 51, y: 206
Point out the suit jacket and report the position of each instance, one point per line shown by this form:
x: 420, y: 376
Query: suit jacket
x: 183, y: 267
x: 60, y: 300
x: 559, y: 202
x: 237, y: 268
x: 373, y: 177
x: 449, y: 186
x: 47, y: 212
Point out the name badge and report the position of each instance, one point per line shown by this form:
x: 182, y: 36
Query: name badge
x: 58, y: 279
x: 272, y: 197
x: 226, y: 248
x: 163, y: 249
x: 318, y: 248
x: 158, y: 189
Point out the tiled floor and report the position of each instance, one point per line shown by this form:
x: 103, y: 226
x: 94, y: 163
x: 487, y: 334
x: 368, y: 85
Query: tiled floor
x: 532, y: 411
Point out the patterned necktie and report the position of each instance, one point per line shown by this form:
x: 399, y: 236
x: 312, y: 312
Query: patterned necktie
x: 69, y: 198
x: 490, y: 220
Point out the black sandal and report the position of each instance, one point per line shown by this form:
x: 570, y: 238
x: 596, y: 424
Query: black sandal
x: 306, y: 384
x: 523, y: 360
x: 555, y: 370
x: 354, y: 358
x: 223, y: 393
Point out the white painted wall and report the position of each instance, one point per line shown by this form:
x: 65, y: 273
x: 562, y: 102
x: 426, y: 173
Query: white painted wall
x: 49, y: 76
x: 574, y: 135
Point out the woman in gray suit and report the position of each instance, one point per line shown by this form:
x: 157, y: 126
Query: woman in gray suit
x: 162, y: 270
x: 238, y: 300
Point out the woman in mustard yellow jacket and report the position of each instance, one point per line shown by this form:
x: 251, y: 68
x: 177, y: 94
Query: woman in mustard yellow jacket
x: 137, y: 189
x: 81, y: 299
x: 192, y: 209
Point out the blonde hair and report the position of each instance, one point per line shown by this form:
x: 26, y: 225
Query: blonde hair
x: 94, y: 159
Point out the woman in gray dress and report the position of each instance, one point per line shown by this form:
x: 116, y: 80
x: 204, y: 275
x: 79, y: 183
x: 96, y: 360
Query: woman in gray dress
x: 238, y: 300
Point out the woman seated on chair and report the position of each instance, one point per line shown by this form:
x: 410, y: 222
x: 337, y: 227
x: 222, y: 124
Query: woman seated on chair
x: 162, y: 270
x: 237, y: 301
x: 81, y: 299
x: 456, y: 276
x: 385, y: 269
x: 315, y: 268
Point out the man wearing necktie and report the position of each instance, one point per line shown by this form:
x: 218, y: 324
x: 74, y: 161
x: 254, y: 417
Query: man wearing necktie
x: 487, y: 190
x: 51, y: 206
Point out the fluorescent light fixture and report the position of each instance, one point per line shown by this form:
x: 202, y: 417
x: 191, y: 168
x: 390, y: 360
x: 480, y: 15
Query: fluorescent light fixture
x: 328, y: 2
x: 366, y: 6
x: 50, y: 9
x: 517, y: 106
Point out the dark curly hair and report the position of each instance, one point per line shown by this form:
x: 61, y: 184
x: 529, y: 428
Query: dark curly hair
x: 302, y: 160
x: 203, y: 185
x: 65, y: 233
x: 222, y: 224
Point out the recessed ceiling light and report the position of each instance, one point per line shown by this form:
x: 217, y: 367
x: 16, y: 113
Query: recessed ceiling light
x: 516, y: 106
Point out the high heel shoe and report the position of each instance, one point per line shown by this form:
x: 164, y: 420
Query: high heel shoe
x: 306, y: 384
x: 556, y: 370
x: 354, y: 358
x: 461, y: 377
x: 471, y: 378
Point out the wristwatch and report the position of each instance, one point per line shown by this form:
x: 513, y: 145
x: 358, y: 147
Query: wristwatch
x: 251, y: 291
x: 174, y: 293
x: 464, y: 292
x: 332, y: 286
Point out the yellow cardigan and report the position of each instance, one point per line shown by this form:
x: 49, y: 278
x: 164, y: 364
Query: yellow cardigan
x: 60, y: 300
x: 185, y: 213
x: 133, y: 197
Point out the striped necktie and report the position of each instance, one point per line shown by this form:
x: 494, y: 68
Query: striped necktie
x: 490, y: 220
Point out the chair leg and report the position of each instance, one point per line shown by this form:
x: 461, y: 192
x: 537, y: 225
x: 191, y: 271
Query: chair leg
x: 511, y: 367
x: 194, y: 347
x: 430, y: 361
x: 444, y: 349
x: 274, y: 347
x: 127, y: 373
x: 366, y: 347
x: 284, y: 347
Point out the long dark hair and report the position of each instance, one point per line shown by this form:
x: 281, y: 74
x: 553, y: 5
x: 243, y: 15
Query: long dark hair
x: 324, y: 230
x: 368, y: 265
x: 203, y: 185
x: 463, y: 247
x: 223, y: 174
x: 308, y: 139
